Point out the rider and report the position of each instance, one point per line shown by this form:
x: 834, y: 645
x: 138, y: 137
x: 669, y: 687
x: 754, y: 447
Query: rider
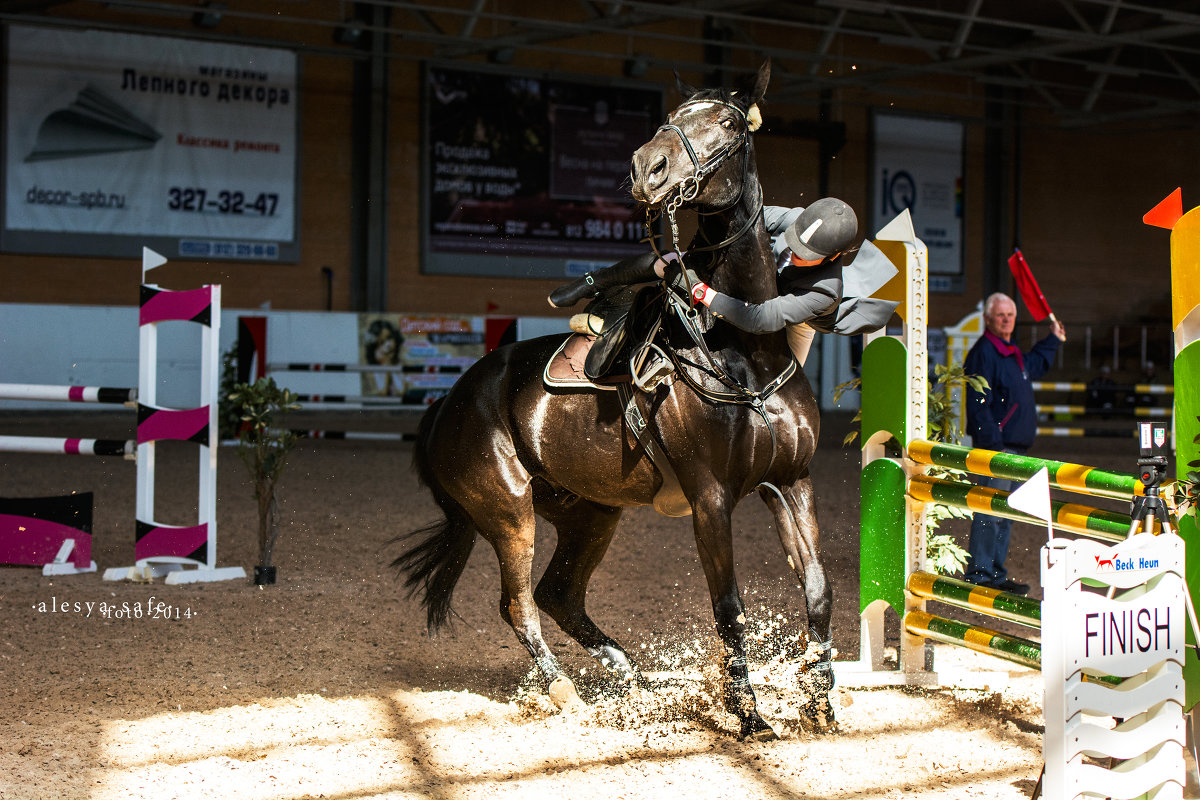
x: 808, y: 244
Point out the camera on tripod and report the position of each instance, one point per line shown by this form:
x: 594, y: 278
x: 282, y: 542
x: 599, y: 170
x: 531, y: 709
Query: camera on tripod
x: 1153, y: 453
x: 1152, y: 469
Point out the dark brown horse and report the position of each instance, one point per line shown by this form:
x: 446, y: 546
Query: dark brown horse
x: 501, y: 448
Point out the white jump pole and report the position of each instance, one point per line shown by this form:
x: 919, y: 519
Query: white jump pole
x: 70, y: 394
x: 62, y: 446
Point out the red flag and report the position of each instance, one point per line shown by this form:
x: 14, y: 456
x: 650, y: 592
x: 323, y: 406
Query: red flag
x: 1035, y: 301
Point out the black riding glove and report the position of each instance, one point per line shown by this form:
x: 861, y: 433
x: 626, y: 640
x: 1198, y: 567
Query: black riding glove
x: 682, y: 280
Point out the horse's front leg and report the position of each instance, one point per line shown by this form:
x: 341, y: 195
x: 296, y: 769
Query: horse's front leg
x: 794, y: 509
x: 714, y: 540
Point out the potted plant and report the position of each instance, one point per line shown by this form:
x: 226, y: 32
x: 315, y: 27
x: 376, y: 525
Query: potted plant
x: 264, y: 445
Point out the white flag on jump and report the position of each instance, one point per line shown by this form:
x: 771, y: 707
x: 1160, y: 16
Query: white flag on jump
x: 1033, y: 497
x: 150, y: 260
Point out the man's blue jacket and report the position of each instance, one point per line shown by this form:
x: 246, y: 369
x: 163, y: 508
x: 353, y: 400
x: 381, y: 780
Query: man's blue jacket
x: 1005, y: 416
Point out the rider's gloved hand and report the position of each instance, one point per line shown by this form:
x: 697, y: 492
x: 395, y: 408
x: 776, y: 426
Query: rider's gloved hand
x: 691, y: 286
x: 676, y: 276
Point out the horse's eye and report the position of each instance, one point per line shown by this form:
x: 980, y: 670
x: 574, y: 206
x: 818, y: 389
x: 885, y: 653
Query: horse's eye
x: 726, y: 124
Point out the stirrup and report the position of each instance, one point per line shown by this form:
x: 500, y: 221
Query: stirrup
x: 650, y: 366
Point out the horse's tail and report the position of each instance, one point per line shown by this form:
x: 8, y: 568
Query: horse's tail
x: 438, y: 554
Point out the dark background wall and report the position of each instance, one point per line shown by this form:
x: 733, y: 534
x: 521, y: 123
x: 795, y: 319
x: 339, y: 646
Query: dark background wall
x: 1070, y: 194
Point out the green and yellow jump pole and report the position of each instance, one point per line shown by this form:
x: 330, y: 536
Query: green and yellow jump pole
x: 1071, y: 477
x: 1108, y: 526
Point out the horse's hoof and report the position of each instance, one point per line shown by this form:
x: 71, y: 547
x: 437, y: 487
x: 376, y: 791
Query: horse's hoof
x: 757, y: 730
x: 563, y: 695
x: 820, y: 714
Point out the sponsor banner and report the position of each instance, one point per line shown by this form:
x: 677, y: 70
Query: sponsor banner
x: 124, y: 135
x: 918, y: 165
x: 433, y: 351
x: 1133, y: 616
x: 524, y: 165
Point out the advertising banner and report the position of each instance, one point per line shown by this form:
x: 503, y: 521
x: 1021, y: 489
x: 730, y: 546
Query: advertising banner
x: 114, y: 141
x: 918, y: 165
x: 421, y: 356
x: 530, y: 167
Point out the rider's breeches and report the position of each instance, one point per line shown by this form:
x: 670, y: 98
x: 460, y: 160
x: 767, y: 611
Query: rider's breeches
x: 799, y: 337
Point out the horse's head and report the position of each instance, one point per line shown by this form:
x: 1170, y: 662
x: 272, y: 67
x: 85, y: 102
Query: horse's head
x: 701, y: 152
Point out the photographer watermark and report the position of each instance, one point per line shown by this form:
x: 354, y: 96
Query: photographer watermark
x: 151, y: 608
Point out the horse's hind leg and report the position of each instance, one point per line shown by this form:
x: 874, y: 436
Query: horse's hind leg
x: 796, y: 518
x: 509, y: 528
x: 584, y: 532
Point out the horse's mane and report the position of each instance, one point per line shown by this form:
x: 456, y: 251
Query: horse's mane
x: 732, y: 97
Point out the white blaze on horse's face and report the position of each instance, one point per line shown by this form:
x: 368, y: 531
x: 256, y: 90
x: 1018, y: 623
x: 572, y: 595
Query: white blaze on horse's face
x: 714, y: 130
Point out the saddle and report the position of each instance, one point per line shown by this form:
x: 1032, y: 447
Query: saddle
x: 609, y: 356
x: 621, y: 357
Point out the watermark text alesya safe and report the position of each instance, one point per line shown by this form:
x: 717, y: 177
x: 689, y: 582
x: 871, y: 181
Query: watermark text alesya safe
x: 151, y: 609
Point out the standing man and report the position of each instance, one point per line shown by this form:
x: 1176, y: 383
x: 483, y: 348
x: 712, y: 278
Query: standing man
x: 1003, y: 417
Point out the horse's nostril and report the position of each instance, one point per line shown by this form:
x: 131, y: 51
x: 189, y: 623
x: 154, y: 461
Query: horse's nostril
x: 658, y: 171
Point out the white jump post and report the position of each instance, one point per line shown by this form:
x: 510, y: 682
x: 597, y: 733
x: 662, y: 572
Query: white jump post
x: 166, y: 549
x: 895, y: 375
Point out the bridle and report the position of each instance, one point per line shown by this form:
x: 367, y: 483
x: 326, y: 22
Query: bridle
x: 718, y: 156
x: 690, y: 186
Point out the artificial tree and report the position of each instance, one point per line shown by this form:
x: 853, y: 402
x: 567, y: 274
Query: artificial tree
x: 264, y: 445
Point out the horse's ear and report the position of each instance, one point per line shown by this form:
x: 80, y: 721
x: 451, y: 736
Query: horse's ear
x: 686, y: 90
x: 760, y: 82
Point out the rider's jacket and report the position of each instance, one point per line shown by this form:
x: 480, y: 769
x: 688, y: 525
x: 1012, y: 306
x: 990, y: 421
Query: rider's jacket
x: 815, y: 295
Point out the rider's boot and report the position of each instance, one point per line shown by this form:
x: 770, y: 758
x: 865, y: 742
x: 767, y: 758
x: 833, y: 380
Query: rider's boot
x: 636, y: 269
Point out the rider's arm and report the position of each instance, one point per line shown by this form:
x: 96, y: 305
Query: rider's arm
x: 778, y: 219
x: 769, y: 316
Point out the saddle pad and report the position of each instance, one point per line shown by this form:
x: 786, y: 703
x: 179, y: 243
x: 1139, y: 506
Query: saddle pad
x: 565, y: 367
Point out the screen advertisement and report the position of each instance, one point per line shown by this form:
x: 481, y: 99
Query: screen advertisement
x: 918, y: 165
x: 529, y: 175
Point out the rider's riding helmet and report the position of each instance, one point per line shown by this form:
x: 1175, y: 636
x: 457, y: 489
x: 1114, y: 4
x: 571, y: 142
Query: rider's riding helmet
x: 824, y: 229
